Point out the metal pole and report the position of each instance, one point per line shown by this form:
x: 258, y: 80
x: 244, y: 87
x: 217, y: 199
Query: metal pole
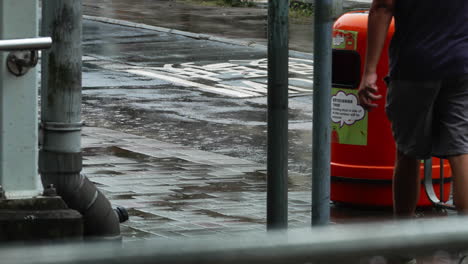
x: 277, y: 157
x: 18, y: 106
x: 321, y: 112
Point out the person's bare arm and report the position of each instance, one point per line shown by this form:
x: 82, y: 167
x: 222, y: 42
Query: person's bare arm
x: 380, y: 17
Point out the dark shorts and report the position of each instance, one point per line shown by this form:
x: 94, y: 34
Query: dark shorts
x: 429, y: 118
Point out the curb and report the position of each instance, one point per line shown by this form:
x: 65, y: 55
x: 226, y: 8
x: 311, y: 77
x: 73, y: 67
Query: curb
x: 169, y: 30
x: 198, y: 36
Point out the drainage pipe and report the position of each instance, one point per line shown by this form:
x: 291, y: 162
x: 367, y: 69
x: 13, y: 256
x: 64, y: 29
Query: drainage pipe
x: 60, y: 160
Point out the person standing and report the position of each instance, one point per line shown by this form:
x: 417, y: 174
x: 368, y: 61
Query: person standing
x: 427, y: 97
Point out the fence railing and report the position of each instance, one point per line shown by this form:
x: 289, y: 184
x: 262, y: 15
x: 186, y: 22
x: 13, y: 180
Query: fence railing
x: 25, y: 44
x: 329, y: 244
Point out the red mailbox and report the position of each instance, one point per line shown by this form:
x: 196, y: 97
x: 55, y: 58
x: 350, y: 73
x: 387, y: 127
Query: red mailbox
x: 363, y: 149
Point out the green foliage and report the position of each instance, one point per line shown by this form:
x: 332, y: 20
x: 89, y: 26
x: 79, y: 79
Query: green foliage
x: 231, y: 3
x: 239, y: 3
x: 300, y: 10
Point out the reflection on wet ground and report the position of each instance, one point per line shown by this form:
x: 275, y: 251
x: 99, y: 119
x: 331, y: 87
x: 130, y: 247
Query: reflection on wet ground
x: 194, y: 120
x: 115, y: 98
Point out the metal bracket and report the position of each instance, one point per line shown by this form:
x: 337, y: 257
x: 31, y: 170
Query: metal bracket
x: 19, y: 62
x: 429, y: 188
x: 24, y: 55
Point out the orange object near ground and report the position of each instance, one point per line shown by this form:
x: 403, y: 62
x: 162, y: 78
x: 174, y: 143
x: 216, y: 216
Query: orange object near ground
x: 363, y: 149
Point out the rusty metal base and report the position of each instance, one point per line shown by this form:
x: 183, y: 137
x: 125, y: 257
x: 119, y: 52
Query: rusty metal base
x: 38, y: 219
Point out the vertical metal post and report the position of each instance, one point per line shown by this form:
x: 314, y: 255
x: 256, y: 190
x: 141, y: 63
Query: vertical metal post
x: 18, y: 106
x: 321, y: 112
x: 277, y: 157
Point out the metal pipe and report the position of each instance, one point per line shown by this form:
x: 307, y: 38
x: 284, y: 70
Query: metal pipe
x: 428, y: 186
x: 277, y: 156
x: 321, y: 130
x: 331, y: 244
x: 25, y: 44
x: 60, y: 160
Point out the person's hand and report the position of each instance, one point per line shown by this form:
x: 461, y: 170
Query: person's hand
x: 368, y: 91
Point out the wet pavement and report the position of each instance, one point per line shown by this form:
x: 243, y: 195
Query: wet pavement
x: 175, y: 192
x: 181, y: 140
x: 152, y: 83
x: 185, y: 118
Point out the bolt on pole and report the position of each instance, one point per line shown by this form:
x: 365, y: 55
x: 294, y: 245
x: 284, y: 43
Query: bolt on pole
x: 321, y: 130
x: 277, y: 156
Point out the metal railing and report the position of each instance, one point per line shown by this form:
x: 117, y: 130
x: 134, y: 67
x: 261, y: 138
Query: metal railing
x: 327, y: 244
x: 25, y: 44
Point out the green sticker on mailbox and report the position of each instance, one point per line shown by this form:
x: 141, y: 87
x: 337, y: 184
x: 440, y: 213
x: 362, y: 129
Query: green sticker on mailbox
x: 345, y: 39
x: 349, y: 119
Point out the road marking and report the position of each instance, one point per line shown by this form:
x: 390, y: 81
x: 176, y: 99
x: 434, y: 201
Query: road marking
x: 191, y: 71
x: 179, y: 81
x: 257, y: 86
x: 306, y: 82
x: 235, y: 78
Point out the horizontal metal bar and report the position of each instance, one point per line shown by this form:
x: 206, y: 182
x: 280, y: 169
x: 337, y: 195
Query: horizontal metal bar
x: 330, y: 244
x: 25, y: 44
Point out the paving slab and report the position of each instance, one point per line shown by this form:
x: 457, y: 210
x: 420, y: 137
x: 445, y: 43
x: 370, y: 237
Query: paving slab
x: 185, y: 196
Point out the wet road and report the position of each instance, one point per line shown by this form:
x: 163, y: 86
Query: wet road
x: 203, y: 94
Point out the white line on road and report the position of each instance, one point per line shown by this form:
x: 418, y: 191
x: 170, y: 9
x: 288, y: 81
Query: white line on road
x: 230, y: 79
x: 179, y: 81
